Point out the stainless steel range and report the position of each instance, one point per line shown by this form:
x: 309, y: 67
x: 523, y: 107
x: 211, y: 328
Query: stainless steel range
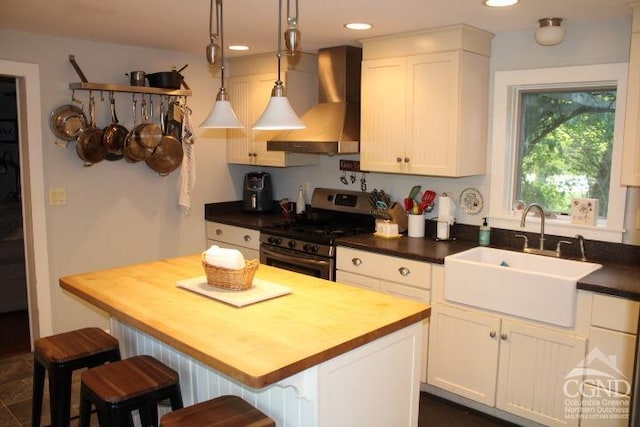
x: 306, y: 243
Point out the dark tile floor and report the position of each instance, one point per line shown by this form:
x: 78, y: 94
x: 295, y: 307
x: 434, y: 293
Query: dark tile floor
x: 15, y: 401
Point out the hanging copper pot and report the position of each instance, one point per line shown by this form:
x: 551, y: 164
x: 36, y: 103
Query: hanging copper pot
x: 89, y: 145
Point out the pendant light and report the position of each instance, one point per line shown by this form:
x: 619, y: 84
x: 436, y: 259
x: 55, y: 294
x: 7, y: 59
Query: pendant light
x: 221, y: 115
x: 279, y: 115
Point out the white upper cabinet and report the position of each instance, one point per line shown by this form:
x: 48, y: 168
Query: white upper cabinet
x: 425, y: 102
x: 249, y: 89
x: 631, y: 149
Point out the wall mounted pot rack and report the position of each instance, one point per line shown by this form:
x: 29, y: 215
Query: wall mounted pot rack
x: 107, y: 87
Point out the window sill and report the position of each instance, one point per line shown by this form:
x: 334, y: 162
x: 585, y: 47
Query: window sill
x: 558, y: 227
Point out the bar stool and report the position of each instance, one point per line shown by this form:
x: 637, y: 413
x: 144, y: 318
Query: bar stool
x: 60, y: 355
x: 119, y: 388
x: 223, y: 411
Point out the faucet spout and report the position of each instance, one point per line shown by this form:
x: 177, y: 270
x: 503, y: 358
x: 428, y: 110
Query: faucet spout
x: 524, y: 218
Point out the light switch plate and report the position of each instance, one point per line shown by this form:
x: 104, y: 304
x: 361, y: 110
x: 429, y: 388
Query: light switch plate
x: 57, y: 196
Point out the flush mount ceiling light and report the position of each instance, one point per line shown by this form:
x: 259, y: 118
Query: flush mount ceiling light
x: 278, y: 115
x: 499, y: 3
x: 550, y: 32
x: 221, y: 115
x: 358, y: 26
x: 238, y: 47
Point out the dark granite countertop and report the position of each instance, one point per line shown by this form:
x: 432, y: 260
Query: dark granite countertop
x: 619, y: 275
x: 613, y: 278
x: 231, y: 213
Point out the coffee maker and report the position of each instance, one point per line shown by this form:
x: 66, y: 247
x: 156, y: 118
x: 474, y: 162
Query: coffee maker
x: 257, y: 194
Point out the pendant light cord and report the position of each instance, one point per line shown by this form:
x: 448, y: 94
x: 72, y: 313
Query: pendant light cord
x: 221, y: 35
x: 279, y: 53
x: 292, y: 20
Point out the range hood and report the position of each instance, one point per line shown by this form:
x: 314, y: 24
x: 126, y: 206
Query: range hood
x: 333, y: 125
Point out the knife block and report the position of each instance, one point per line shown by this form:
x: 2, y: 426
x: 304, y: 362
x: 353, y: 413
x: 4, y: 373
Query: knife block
x: 398, y: 216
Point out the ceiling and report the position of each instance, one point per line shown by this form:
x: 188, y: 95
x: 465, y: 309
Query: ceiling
x: 183, y: 25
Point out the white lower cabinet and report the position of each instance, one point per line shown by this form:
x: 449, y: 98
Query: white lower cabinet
x: 396, y: 276
x: 610, y: 358
x: 515, y: 366
x: 246, y: 240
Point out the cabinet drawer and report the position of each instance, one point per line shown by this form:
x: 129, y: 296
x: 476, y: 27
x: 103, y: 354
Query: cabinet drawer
x: 238, y: 236
x: 384, y: 267
x: 405, y: 291
x: 620, y: 349
x: 358, y: 280
x: 615, y: 313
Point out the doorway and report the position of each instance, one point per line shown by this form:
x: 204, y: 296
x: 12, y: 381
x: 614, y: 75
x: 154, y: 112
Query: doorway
x: 29, y: 125
x: 15, y: 335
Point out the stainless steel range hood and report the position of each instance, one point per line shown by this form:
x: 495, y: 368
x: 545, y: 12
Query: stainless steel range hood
x: 333, y: 125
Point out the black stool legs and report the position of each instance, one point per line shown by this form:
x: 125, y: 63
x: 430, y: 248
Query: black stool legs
x: 60, y: 355
x: 118, y: 389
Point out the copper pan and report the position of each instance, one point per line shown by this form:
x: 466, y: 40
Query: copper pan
x: 114, y: 135
x: 167, y: 155
x: 148, y: 134
x: 89, y: 146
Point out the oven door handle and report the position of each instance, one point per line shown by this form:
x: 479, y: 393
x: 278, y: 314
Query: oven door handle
x: 302, y: 260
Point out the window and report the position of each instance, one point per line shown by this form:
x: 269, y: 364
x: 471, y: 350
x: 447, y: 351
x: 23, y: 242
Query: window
x: 557, y: 135
x: 565, y: 141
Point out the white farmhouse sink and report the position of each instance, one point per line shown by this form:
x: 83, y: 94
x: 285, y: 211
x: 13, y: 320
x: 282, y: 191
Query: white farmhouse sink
x: 531, y: 286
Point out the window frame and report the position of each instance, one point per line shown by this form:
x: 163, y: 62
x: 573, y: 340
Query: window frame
x: 504, y: 145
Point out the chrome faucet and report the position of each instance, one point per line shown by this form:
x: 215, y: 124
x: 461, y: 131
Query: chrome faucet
x: 541, y: 250
x: 524, y: 218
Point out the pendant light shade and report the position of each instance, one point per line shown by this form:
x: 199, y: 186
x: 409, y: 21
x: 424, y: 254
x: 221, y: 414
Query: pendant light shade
x: 279, y: 115
x: 221, y: 115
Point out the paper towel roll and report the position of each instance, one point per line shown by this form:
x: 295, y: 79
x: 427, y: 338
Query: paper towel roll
x: 446, y: 209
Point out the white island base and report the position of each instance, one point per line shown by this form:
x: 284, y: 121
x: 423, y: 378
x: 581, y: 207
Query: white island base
x: 376, y: 384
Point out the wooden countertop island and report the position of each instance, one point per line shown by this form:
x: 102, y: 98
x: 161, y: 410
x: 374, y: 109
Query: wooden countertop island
x: 327, y: 341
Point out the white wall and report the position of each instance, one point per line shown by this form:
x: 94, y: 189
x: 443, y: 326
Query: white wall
x: 118, y: 213
x: 589, y: 44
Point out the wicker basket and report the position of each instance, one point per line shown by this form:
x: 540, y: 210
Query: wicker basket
x: 234, y: 280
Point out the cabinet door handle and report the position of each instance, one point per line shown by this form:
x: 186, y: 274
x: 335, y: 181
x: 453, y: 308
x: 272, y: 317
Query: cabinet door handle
x: 247, y: 238
x: 406, y: 160
x: 356, y: 261
x: 492, y: 334
x: 504, y: 337
x: 404, y: 271
x: 218, y: 232
x: 399, y: 159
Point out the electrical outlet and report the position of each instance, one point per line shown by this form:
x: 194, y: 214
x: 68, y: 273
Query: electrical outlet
x: 57, y: 196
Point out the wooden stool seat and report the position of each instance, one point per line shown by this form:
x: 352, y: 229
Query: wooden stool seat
x: 223, y: 411
x: 60, y: 355
x: 117, y: 389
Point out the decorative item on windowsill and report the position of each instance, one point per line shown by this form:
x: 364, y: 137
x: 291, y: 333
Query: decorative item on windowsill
x: 584, y: 211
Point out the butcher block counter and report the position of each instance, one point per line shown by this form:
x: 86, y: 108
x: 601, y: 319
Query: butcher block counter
x: 322, y: 339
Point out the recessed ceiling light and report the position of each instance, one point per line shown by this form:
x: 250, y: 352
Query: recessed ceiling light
x: 499, y: 3
x: 358, y: 26
x: 238, y: 47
